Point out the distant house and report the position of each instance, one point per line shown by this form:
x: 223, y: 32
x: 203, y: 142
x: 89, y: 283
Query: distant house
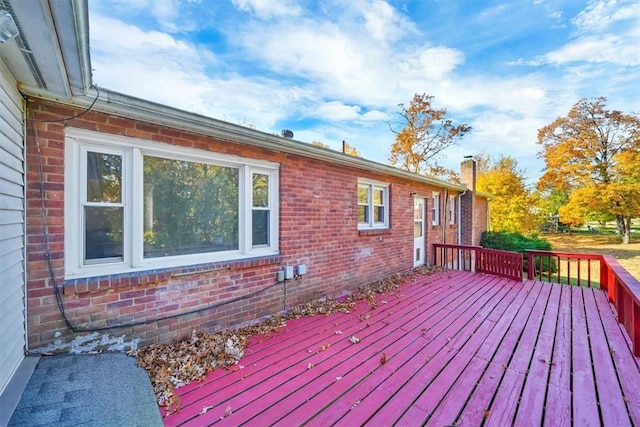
x: 138, y: 220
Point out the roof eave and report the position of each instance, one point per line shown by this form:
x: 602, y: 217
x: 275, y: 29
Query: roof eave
x: 124, y: 105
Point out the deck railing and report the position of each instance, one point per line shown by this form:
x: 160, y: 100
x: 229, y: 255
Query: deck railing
x: 593, y: 270
x: 565, y: 267
x: 478, y: 259
x: 588, y: 270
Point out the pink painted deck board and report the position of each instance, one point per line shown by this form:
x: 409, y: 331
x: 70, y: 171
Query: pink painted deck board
x: 357, y: 360
x: 409, y: 379
x: 585, y: 401
x: 614, y: 410
x: 626, y: 365
x: 461, y: 348
x: 532, y: 403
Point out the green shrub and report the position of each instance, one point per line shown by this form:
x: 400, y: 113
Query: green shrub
x: 515, y: 242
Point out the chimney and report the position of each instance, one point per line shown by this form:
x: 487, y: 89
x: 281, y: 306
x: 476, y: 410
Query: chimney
x: 468, y: 173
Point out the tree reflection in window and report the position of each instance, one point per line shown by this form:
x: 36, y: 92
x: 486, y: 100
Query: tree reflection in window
x: 103, y: 211
x: 189, y: 207
x: 260, y: 210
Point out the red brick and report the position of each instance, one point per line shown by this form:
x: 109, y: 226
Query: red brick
x: 318, y: 214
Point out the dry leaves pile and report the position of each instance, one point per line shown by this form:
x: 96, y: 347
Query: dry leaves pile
x: 173, y: 365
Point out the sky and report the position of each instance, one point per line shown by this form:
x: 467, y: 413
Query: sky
x: 334, y: 70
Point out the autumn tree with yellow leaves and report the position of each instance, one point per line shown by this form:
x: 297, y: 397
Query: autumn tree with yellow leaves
x: 512, y: 205
x: 346, y: 148
x: 594, y: 155
x: 426, y: 132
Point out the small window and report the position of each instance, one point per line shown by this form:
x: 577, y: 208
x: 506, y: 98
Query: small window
x: 435, y: 209
x: 373, y: 204
x: 452, y: 210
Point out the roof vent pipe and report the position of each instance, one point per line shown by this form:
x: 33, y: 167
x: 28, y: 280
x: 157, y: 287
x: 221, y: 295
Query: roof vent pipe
x: 286, y: 133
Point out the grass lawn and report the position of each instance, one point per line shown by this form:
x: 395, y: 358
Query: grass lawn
x: 627, y: 255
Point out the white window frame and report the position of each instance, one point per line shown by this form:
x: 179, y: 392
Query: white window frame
x: 452, y: 210
x: 78, y: 141
x: 435, y: 208
x: 372, y: 185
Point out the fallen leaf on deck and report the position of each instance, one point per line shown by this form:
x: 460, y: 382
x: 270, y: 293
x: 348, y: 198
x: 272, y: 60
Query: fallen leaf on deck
x: 383, y: 359
x: 338, y: 332
x: 354, y: 339
x: 205, y: 409
x: 228, y: 411
x: 309, y: 366
x: 338, y: 378
x: 170, y: 366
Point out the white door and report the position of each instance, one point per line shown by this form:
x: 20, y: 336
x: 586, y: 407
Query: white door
x: 418, y: 231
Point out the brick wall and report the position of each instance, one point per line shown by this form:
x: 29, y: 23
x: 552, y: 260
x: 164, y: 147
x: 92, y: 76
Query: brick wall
x: 480, y: 219
x: 318, y: 227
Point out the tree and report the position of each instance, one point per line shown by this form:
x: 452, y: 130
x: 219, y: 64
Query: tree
x: 320, y: 144
x: 512, y: 206
x: 350, y: 150
x: 426, y: 133
x: 592, y: 154
x: 443, y: 174
x: 346, y: 148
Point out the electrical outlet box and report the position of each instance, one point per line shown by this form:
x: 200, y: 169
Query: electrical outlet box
x: 302, y: 269
x: 288, y: 272
x: 280, y: 276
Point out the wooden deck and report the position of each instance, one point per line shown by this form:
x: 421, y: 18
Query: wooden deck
x: 458, y: 348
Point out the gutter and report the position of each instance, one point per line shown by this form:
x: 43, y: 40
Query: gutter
x: 111, y: 102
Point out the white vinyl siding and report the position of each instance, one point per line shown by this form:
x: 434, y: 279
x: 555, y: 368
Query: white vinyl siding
x: 12, y: 274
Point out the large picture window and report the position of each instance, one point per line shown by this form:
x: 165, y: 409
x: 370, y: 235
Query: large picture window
x: 373, y: 204
x: 145, y: 205
x: 189, y: 207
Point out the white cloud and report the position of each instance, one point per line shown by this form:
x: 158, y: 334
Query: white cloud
x: 338, y: 74
x: 383, y: 22
x: 269, y: 8
x: 606, y: 48
x: 336, y: 111
x: 600, y: 16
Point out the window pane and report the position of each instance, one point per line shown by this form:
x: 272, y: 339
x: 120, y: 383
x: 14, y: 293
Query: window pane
x: 104, y: 177
x: 417, y: 229
x: 378, y: 197
x: 260, y: 190
x: 363, y: 214
x: 378, y: 214
x: 189, y: 207
x: 103, y: 232
x: 363, y: 195
x: 260, y: 227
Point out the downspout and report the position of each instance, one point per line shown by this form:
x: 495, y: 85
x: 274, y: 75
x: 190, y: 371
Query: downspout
x: 460, y: 196
x: 25, y: 274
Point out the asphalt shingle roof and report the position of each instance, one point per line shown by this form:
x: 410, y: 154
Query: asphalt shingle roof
x: 106, y: 389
